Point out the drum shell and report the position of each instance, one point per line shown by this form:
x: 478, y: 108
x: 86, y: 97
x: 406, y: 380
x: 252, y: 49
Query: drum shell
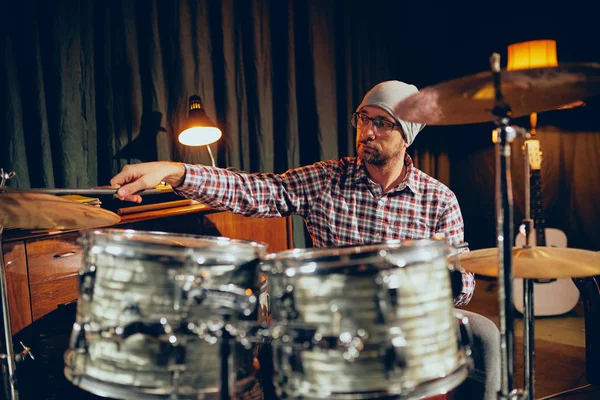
x: 398, y: 296
x: 148, y: 284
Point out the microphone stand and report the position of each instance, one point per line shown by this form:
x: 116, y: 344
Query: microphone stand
x: 504, y: 134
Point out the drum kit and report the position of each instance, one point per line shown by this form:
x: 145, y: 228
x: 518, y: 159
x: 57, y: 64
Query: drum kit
x: 173, y: 316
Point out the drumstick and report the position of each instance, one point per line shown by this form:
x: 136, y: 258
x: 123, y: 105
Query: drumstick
x: 96, y: 192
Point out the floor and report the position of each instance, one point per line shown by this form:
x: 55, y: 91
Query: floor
x: 559, y: 345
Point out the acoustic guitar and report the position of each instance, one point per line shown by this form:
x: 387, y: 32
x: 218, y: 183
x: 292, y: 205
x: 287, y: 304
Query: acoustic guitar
x: 554, y: 296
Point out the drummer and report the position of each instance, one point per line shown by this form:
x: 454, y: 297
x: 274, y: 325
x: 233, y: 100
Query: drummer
x: 378, y: 195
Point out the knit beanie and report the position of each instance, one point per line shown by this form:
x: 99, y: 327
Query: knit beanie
x: 386, y: 95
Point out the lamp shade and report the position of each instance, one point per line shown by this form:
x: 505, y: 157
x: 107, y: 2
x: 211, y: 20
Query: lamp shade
x: 198, y: 130
x: 532, y: 54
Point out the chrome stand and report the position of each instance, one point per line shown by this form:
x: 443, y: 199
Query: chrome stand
x: 505, y: 134
x: 9, y: 366
x: 528, y: 304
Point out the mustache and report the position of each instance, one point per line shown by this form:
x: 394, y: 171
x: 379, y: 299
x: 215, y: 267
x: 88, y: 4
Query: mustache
x: 368, y: 145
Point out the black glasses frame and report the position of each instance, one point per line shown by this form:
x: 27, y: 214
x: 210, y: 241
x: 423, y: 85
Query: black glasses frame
x: 358, y: 116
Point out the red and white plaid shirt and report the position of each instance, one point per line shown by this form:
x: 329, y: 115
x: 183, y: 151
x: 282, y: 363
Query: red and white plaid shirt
x: 340, y: 204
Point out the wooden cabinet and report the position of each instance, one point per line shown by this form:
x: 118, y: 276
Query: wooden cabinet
x: 42, y: 268
x: 17, y: 282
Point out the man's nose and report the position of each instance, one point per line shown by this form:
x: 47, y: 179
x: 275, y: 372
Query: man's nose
x: 367, y: 132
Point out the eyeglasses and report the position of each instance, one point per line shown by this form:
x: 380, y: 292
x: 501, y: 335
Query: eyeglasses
x: 381, y: 126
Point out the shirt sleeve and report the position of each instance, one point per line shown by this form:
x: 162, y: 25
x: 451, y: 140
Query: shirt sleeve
x: 451, y: 226
x: 264, y: 195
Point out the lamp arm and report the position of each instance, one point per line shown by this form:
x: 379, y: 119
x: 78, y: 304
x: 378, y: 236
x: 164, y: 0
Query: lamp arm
x: 212, y: 159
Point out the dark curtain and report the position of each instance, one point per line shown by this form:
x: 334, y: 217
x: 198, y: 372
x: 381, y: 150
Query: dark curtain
x: 86, y: 78
x: 88, y: 86
x: 92, y: 85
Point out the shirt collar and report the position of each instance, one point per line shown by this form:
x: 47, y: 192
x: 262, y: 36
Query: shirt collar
x: 410, y: 179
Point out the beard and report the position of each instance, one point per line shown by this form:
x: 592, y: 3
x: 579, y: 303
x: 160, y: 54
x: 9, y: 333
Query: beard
x: 374, y: 155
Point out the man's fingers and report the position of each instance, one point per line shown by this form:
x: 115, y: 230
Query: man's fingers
x: 131, y: 188
x: 134, y: 178
x: 122, y: 177
x: 136, y: 198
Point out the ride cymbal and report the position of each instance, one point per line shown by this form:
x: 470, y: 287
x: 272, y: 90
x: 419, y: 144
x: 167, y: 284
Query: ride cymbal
x: 471, y: 99
x: 535, y: 262
x: 29, y: 210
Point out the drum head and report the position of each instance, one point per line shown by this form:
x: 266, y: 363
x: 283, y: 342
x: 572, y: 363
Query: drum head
x: 128, y: 243
x: 357, y: 259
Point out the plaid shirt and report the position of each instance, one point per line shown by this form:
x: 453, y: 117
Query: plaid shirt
x: 340, y: 204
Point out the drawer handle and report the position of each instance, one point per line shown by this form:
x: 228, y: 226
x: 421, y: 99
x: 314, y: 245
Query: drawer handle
x: 64, y: 255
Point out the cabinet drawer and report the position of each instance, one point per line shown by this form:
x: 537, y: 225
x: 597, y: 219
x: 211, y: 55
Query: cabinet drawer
x: 54, y: 257
x: 46, y: 296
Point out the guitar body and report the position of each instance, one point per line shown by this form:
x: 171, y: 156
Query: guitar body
x: 553, y: 298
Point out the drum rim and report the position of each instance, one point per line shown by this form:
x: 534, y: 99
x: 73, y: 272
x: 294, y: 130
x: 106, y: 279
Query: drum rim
x: 379, y: 256
x: 90, y: 237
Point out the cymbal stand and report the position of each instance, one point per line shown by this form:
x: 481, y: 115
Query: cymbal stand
x: 8, y: 369
x: 528, y: 304
x: 505, y: 134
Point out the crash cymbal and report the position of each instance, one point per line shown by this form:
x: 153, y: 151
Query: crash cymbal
x: 470, y: 99
x: 29, y: 210
x: 535, y: 262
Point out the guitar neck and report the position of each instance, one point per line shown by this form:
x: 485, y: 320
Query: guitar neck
x: 537, y: 207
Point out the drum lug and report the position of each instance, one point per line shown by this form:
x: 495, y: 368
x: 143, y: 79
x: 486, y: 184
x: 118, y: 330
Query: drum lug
x: 464, y: 333
x: 130, y: 309
x: 304, y: 338
x: 172, y: 355
x: 87, y: 279
x: 353, y: 344
x: 78, y: 341
x: 394, y: 359
x: 225, y: 297
x: 288, y: 305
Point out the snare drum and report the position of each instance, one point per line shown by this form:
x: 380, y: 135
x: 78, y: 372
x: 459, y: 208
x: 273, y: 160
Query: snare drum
x: 153, y: 313
x: 361, y: 322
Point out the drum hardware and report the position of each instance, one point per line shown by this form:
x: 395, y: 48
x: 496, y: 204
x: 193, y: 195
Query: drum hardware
x: 285, y: 298
x: 224, y: 297
x: 9, y: 358
x: 301, y: 337
x: 504, y: 134
x: 500, y: 95
x: 87, y: 278
x: 22, y: 356
x: 464, y: 332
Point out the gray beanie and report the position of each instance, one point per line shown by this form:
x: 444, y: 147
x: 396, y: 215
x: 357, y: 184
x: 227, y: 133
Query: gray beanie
x: 386, y: 95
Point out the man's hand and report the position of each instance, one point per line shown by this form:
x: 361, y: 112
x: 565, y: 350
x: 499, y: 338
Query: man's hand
x: 136, y: 177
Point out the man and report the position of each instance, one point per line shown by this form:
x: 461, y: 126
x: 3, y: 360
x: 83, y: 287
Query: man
x: 376, y: 196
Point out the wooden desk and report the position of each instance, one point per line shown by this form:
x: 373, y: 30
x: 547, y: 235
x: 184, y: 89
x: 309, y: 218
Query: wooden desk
x: 42, y: 267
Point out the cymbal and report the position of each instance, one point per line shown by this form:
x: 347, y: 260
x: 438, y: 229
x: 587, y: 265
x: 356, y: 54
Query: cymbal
x: 471, y: 99
x: 29, y: 210
x: 535, y: 262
